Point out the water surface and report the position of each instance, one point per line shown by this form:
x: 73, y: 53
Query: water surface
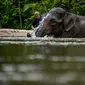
x: 42, y: 61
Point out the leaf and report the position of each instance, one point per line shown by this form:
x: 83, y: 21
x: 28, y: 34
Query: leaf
x: 27, y: 6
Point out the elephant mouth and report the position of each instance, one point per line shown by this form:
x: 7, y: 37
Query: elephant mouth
x: 55, y: 31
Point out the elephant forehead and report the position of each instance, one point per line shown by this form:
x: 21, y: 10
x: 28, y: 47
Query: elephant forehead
x: 50, y: 17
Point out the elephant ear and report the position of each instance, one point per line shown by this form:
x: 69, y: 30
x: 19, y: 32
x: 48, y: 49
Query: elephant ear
x: 71, y: 25
x: 69, y: 21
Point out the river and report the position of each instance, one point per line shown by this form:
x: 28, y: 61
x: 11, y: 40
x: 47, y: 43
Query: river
x: 42, y: 61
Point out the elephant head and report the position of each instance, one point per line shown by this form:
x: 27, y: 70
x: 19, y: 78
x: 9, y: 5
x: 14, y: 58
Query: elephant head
x: 58, y: 23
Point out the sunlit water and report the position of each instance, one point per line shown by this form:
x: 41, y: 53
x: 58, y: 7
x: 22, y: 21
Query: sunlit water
x: 42, y: 61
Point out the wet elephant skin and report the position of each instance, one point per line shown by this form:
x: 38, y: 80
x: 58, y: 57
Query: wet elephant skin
x: 62, y: 24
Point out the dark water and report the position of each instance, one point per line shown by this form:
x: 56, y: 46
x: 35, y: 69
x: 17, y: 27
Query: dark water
x: 42, y: 61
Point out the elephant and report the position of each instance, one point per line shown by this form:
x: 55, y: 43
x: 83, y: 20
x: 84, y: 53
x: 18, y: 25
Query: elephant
x: 61, y: 24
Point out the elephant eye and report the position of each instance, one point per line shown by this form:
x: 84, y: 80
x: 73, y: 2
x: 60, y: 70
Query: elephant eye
x: 52, y: 22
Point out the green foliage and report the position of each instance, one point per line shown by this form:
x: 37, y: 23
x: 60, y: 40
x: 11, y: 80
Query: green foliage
x: 19, y: 14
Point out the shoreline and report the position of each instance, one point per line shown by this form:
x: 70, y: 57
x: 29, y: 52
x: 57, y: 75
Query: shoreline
x: 14, y: 32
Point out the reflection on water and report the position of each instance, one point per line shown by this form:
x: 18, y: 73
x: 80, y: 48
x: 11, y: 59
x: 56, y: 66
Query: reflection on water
x: 25, y: 63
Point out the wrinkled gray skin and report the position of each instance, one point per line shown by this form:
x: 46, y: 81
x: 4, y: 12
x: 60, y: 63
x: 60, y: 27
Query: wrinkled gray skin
x: 59, y: 23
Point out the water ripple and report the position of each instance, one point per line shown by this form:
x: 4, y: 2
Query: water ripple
x: 42, y: 41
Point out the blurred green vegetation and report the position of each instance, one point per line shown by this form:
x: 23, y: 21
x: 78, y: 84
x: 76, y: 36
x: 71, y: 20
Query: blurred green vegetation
x: 18, y: 14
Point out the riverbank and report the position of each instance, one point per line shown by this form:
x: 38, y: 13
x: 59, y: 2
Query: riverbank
x: 14, y: 32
